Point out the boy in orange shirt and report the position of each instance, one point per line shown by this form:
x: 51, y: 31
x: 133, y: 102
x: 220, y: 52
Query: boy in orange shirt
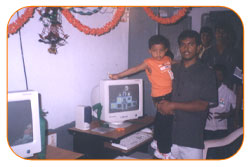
x: 158, y: 70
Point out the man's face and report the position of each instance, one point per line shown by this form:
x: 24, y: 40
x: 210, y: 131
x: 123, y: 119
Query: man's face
x: 188, y: 49
x: 205, y: 39
x: 158, y: 51
x: 220, y: 34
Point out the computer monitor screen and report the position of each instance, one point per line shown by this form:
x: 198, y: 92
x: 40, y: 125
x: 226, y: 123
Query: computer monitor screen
x: 20, y: 127
x: 24, y: 123
x: 121, y: 100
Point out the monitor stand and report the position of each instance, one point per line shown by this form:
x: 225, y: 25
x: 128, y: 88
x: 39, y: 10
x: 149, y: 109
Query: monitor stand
x: 119, y: 124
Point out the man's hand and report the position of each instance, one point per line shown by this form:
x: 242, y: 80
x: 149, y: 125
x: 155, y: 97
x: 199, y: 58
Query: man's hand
x: 222, y: 116
x: 165, y: 107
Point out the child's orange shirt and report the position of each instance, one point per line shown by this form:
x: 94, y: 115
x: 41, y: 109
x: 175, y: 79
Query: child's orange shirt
x: 160, y: 75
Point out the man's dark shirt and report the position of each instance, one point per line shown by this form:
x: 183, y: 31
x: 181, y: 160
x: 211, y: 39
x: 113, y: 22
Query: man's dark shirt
x: 230, y: 58
x: 196, y: 82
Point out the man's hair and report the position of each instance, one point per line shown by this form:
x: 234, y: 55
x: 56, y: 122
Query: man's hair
x: 228, y: 29
x: 189, y: 34
x: 224, y: 26
x: 207, y: 30
x: 158, y: 39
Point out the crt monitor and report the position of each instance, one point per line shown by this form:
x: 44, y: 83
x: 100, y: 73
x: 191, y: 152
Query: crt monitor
x: 24, y: 123
x: 121, y: 100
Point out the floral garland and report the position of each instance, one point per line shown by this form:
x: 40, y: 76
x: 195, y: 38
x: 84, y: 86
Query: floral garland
x: 16, y: 25
x: 28, y: 13
x: 87, y: 12
x: 94, y: 31
x: 181, y: 13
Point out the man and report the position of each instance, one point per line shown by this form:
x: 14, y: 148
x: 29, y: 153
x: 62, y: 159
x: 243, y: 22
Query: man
x: 194, y: 90
x: 223, y: 52
x: 206, y: 35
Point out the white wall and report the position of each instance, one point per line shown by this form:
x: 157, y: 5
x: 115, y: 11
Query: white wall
x: 65, y: 80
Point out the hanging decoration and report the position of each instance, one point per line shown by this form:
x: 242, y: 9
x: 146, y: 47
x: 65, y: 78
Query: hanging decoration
x: 17, y: 24
x: 85, y: 10
x: 94, y: 31
x: 52, y: 32
x: 166, y: 20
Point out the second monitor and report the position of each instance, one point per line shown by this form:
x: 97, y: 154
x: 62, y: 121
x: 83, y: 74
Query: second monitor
x: 121, y: 100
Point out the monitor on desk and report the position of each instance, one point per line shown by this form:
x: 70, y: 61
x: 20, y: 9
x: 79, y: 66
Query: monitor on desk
x: 121, y: 100
x: 24, y: 123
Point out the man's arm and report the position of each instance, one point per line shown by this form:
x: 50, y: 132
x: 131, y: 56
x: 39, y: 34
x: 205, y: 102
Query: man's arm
x: 166, y: 107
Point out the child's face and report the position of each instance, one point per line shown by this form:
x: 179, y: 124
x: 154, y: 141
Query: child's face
x: 158, y: 51
x: 219, y: 77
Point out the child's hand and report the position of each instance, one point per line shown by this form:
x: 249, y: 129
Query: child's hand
x: 113, y: 76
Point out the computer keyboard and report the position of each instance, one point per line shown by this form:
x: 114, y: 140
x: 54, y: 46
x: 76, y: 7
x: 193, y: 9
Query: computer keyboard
x: 132, y: 140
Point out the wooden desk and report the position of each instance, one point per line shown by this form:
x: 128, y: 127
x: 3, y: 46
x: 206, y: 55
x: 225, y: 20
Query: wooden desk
x: 59, y: 153
x: 95, y: 145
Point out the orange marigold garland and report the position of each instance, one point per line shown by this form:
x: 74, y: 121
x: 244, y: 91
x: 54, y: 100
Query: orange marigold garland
x: 28, y: 13
x: 168, y: 20
x: 94, y: 31
x: 16, y: 25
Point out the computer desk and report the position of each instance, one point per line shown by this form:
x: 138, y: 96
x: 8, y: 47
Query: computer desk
x: 56, y: 153
x: 96, y: 145
x: 59, y: 153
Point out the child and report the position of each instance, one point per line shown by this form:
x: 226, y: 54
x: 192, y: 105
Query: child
x: 158, y: 70
x: 217, y: 123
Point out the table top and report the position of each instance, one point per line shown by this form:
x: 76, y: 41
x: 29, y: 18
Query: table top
x: 59, y: 153
x: 137, y: 124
